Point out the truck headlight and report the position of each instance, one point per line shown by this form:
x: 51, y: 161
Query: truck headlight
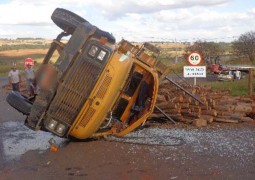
x: 93, y: 50
x: 101, y: 55
x: 52, y: 124
x: 60, y: 128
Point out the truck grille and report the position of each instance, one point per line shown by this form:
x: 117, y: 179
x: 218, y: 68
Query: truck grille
x: 104, y: 87
x: 75, y: 89
x: 86, y: 116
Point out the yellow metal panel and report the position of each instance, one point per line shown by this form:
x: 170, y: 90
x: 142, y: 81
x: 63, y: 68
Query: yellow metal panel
x: 110, y: 85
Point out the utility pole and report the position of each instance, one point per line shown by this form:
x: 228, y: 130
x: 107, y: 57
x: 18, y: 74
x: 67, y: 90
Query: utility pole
x: 175, y: 50
x: 250, y: 83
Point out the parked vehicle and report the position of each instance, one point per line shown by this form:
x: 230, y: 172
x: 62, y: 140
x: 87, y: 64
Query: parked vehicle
x: 96, y: 87
x: 226, y: 76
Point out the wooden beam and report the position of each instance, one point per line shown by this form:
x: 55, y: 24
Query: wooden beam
x: 250, y: 84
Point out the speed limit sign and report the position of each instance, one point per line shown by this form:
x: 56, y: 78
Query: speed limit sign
x: 194, y: 58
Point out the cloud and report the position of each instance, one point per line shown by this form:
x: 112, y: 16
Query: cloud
x: 4, y: 32
x: 17, y: 12
x: 29, y: 11
x: 142, y: 20
x: 115, y: 10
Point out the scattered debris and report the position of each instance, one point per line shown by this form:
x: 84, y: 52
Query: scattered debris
x: 53, y: 145
x: 17, y: 139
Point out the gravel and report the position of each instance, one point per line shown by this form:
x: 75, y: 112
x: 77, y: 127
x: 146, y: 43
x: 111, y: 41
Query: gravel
x: 17, y: 139
x: 233, y: 142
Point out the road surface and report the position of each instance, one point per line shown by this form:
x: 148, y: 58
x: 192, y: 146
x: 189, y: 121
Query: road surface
x: 156, y: 151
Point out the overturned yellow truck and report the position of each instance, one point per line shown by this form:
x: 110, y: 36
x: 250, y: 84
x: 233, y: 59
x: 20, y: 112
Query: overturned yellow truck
x: 95, y: 87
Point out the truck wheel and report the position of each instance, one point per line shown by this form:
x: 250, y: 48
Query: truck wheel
x: 66, y: 20
x: 110, y: 37
x: 19, y: 102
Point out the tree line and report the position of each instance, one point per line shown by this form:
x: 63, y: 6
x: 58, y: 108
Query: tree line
x: 6, y: 47
x: 244, y: 46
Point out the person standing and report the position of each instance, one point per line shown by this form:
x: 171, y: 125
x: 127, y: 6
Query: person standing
x: 238, y: 75
x: 30, y: 78
x: 14, y: 78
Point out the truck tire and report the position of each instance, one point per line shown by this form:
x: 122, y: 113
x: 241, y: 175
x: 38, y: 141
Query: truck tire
x: 66, y: 20
x: 19, y: 102
x: 110, y: 37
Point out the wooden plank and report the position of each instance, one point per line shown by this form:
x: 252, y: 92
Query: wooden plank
x: 225, y: 120
x: 209, y: 112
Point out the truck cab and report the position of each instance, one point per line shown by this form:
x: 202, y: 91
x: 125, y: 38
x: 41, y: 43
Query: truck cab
x: 96, y: 86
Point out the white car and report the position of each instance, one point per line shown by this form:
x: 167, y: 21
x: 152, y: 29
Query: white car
x: 226, y: 76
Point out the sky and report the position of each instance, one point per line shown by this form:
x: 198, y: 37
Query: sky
x: 134, y: 20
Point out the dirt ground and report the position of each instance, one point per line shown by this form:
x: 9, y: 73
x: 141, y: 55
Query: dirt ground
x: 156, y: 151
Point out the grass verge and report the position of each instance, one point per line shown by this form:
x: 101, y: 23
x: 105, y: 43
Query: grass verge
x: 237, y: 88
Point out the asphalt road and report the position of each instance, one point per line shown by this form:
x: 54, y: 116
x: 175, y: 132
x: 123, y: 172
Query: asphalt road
x: 17, y: 139
x: 157, y: 151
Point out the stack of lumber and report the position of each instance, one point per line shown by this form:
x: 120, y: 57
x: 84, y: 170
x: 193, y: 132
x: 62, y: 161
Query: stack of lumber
x: 218, y: 105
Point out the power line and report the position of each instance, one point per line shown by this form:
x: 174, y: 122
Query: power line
x: 176, y: 40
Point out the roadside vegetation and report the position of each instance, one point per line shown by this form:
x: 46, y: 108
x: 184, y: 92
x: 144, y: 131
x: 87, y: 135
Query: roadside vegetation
x: 237, y: 88
x: 8, y: 58
x: 172, y: 54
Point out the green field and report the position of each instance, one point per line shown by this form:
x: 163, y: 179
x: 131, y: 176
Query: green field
x: 168, y: 56
x: 237, y: 88
x: 7, y: 62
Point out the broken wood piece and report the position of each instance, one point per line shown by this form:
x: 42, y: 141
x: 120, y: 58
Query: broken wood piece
x: 208, y: 118
x: 246, y: 119
x: 199, y: 122
x: 243, y: 108
x: 209, y: 112
x: 184, y: 105
x: 225, y: 120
